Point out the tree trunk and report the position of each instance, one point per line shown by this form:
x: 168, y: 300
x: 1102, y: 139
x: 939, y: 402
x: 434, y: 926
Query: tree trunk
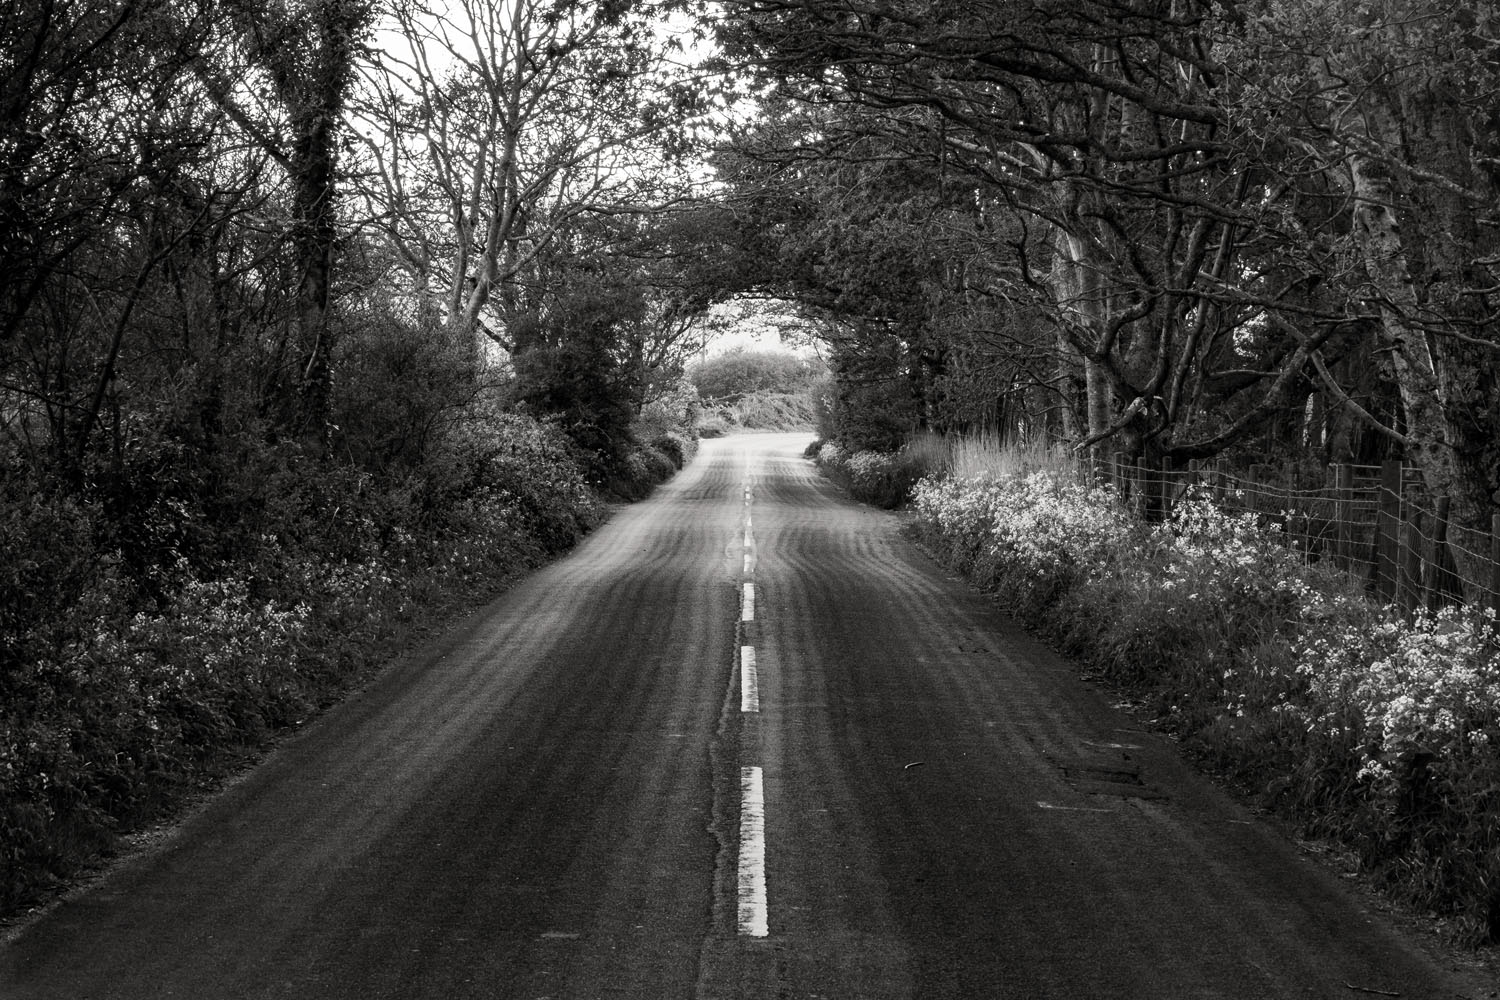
x: 1429, y: 441
x: 1075, y: 287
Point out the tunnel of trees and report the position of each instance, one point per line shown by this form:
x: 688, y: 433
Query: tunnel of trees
x: 309, y: 276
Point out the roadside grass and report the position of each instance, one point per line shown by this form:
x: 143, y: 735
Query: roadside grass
x: 886, y: 479
x: 1363, y: 726
x: 986, y: 454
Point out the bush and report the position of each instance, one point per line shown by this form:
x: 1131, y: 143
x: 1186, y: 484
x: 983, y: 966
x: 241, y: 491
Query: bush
x: 882, y: 479
x: 125, y: 682
x: 713, y: 425
x: 641, y: 469
x: 678, y: 448
x: 833, y: 460
x: 727, y: 378
x: 1360, y: 724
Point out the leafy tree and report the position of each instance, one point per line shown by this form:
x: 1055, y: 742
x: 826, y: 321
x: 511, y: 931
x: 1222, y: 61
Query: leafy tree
x: 1386, y: 111
x: 574, y: 362
x: 1094, y: 129
x: 727, y: 377
x: 300, y: 60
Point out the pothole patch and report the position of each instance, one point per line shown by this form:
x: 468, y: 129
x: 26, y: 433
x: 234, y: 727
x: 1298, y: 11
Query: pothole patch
x: 1110, y: 773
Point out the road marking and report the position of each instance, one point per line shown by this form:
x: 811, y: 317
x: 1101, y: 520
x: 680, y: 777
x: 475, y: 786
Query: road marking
x: 749, y: 681
x: 754, y: 912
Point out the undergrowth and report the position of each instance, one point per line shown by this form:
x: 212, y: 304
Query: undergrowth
x: 144, y: 651
x: 1364, y: 726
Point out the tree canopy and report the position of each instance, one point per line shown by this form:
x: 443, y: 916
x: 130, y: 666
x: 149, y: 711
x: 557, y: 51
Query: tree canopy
x: 1169, y: 229
x: 1174, y: 229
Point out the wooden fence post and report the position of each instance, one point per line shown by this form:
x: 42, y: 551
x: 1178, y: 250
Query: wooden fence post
x: 1343, y: 513
x: 1142, y: 489
x: 1156, y: 489
x: 1409, y: 566
x: 1387, y: 528
x: 1443, y: 584
x: 1495, y: 564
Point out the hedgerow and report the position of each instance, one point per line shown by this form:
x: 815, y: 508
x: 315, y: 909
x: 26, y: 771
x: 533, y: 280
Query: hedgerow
x: 126, y: 683
x: 1364, y: 725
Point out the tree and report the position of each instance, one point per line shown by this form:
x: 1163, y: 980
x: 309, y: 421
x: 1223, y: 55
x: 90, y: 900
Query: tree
x: 1096, y: 128
x: 494, y: 125
x: 302, y: 58
x: 1386, y: 110
x: 93, y: 128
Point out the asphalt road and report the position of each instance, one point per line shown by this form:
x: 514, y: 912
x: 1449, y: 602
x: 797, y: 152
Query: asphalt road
x: 633, y: 776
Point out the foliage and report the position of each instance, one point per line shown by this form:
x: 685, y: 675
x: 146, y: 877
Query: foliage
x: 494, y: 130
x: 871, y: 403
x: 125, y: 682
x: 727, y: 378
x: 1359, y: 723
x: 573, y: 362
x: 771, y: 411
x: 667, y: 423
x: 1143, y: 229
x: 884, y: 479
x: 247, y: 435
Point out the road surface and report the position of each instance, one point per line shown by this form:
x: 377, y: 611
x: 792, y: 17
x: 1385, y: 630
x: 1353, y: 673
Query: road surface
x: 745, y: 742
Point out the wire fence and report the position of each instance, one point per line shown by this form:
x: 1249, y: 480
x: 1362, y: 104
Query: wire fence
x: 1379, y: 523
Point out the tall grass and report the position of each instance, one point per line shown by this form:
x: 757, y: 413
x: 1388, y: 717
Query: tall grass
x: 991, y: 455
x: 886, y: 479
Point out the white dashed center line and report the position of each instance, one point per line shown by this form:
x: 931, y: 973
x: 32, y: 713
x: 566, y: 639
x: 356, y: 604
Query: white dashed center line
x: 753, y: 907
x: 749, y: 681
x: 754, y: 912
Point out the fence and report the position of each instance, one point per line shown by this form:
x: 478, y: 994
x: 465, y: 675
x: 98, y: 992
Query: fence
x: 1377, y: 522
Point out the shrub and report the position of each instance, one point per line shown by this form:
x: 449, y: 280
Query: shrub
x: 727, y: 378
x: 1033, y: 537
x: 1411, y: 712
x: 833, y: 460
x: 639, y: 471
x: 1365, y: 726
x: 713, y: 424
x: 883, y: 479
x: 678, y: 449
x: 125, y: 682
x: 879, y: 479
